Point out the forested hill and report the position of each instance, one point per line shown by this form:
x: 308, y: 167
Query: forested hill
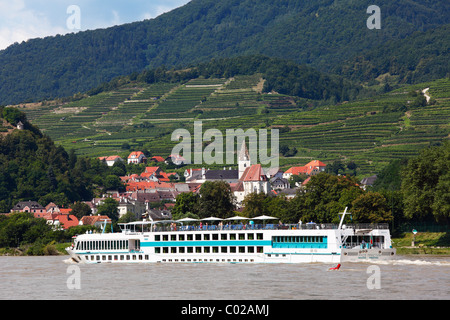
x: 320, y: 33
x: 421, y: 57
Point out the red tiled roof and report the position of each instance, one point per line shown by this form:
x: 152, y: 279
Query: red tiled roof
x: 316, y: 163
x: 135, y: 154
x: 238, y: 186
x: 91, y: 220
x: 151, y: 169
x: 163, y: 177
x: 67, y: 220
x: 253, y: 173
x: 110, y: 158
x: 308, y: 168
x: 157, y: 159
x: 296, y: 170
x: 194, y: 187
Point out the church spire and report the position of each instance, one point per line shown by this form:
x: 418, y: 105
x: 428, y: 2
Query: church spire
x: 243, y: 154
x: 243, y: 159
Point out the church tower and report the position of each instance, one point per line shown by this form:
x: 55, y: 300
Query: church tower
x: 243, y: 159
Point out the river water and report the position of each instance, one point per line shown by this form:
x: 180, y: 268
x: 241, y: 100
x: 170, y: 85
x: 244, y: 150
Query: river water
x: 48, y: 278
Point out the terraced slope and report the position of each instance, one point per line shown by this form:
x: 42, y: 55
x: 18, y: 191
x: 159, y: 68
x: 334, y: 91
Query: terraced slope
x: 370, y: 132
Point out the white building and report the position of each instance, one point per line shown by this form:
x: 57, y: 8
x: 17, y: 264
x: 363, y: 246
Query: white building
x: 136, y: 157
x: 251, y: 177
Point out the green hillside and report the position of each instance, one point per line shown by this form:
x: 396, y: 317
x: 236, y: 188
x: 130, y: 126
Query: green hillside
x: 322, y: 33
x: 421, y: 57
x: 137, y: 115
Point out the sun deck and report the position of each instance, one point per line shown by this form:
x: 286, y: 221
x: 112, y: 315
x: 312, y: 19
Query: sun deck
x: 172, y: 226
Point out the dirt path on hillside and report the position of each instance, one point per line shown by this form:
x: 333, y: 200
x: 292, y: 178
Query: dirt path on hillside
x: 424, y: 91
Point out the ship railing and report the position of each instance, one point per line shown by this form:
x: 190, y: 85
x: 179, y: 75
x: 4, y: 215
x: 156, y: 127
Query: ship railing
x: 268, y: 226
x: 372, y: 226
x: 276, y: 226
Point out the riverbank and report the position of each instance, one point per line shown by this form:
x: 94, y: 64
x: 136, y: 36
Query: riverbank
x: 51, y: 249
x: 427, y: 243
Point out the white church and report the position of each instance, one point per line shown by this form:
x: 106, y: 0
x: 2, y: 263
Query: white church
x: 251, y: 177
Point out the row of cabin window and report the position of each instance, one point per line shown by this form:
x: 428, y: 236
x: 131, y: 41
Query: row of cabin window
x: 102, y: 245
x: 207, y: 236
x: 246, y: 249
x: 208, y: 260
x: 299, y: 239
x: 121, y: 257
x: 141, y: 257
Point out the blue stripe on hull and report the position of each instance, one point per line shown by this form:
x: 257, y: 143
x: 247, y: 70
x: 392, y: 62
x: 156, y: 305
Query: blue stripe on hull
x: 212, y: 243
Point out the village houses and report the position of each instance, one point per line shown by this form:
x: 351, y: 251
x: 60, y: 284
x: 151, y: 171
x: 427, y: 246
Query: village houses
x: 154, y: 187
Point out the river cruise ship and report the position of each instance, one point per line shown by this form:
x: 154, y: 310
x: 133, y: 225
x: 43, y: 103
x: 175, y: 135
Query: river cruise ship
x: 214, y: 240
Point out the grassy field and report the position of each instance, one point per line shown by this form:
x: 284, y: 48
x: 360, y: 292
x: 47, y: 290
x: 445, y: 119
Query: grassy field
x: 425, y: 243
x: 370, y: 132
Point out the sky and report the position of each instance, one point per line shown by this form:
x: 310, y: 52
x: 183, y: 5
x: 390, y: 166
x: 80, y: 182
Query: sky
x: 21, y: 20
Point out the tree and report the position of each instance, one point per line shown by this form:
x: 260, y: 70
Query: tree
x: 22, y: 228
x: 279, y: 207
x: 186, y: 202
x: 335, y: 167
x: 254, y: 205
x: 390, y: 177
x: 297, y: 178
x: 288, y: 152
x: 13, y: 116
x: 109, y: 208
x: 352, y: 166
x: 216, y: 199
x: 80, y: 209
x: 324, y: 197
x: 112, y: 182
x: 425, y: 184
x: 371, y: 207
